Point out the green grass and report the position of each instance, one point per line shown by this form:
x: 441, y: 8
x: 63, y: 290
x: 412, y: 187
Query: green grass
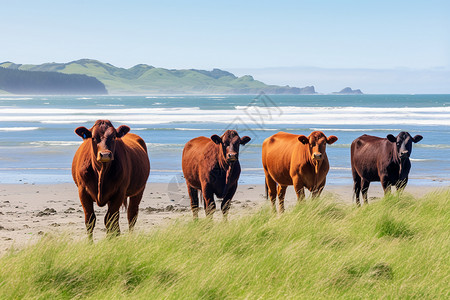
x: 398, y: 247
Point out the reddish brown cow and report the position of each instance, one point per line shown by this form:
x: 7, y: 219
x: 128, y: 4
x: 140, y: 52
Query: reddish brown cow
x: 212, y: 166
x: 297, y: 160
x: 109, y: 166
x: 381, y: 159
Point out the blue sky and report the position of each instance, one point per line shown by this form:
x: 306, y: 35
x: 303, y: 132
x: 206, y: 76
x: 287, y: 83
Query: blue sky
x: 233, y: 35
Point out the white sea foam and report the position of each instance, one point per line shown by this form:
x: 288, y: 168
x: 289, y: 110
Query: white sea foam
x: 354, y: 129
x: 421, y: 159
x: 55, y: 143
x: 18, y: 169
x: 188, y: 129
x: 18, y: 128
x: 14, y: 98
x: 259, y: 118
x: 252, y: 169
x: 438, y: 146
x: 341, y: 168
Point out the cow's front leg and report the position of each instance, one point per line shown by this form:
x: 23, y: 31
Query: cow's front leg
x: 226, y: 202
x: 112, y: 216
x: 386, y: 184
x: 318, y: 190
x: 88, y: 206
x: 281, y: 193
x: 401, y: 184
x: 299, y: 188
x: 208, y: 200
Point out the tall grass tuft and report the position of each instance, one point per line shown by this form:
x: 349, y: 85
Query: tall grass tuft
x: 398, y: 247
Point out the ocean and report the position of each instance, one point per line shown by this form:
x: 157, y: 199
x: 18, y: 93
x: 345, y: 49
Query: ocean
x: 37, y: 139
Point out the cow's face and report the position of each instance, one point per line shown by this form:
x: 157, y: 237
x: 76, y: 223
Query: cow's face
x: 403, y: 143
x: 103, y: 136
x: 230, y: 142
x: 317, y: 142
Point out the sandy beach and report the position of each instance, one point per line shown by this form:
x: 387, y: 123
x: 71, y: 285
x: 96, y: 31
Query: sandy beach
x: 29, y: 211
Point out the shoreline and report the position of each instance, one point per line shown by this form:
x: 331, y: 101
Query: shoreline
x: 29, y: 211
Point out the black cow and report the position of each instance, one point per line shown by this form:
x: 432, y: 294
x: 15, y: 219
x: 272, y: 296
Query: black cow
x: 381, y: 159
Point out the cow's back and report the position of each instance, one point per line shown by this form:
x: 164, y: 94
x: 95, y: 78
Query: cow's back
x: 198, y: 155
x: 277, y: 153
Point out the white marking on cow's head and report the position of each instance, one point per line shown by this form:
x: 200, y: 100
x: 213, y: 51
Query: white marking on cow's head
x: 403, y: 143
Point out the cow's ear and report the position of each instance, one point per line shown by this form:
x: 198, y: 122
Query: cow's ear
x: 303, y: 139
x: 391, y: 138
x: 83, y: 132
x: 216, y: 139
x: 245, y: 140
x: 417, y: 138
x: 331, y: 139
x: 122, y: 130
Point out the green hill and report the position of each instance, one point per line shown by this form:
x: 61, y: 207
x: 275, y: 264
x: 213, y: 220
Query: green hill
x: 145, y: 79
x: 48, y: 83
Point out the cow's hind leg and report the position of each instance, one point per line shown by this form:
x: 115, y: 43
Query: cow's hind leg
x: 193, y: 195
x: 133, y: 210
x: 271, y: 191
x: 364, y: 189
x: 112, y: 216
x: 226, y: 202
x: 281, y: 193
x: 356, y: 187
x: 88, y: 206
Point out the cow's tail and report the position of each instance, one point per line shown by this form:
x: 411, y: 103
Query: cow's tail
x: 267, y: 189
x: 125, y: 203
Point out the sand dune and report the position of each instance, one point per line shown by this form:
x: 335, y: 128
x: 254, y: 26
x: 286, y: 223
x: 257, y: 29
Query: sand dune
x: 27, y: 211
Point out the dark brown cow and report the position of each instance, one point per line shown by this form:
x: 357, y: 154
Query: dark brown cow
x: 381, y: 159
x: 212, y: 166
x: 290, y: 159
x: 109, y: 166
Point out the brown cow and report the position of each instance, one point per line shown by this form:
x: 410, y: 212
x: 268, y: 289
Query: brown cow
x: 381, y: 159
x: 290, y: 159
x: 212, y: 166
x: 109, y: 166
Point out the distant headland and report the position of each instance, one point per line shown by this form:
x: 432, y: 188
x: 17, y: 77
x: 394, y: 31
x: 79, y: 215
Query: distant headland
x: 92, y: 77
x: 348, y: 91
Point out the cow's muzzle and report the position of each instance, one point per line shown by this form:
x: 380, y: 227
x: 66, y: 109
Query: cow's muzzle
x: 317, y: 156
x: 105, y: 156
x: 404, y: 154
x: 231, y: 157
